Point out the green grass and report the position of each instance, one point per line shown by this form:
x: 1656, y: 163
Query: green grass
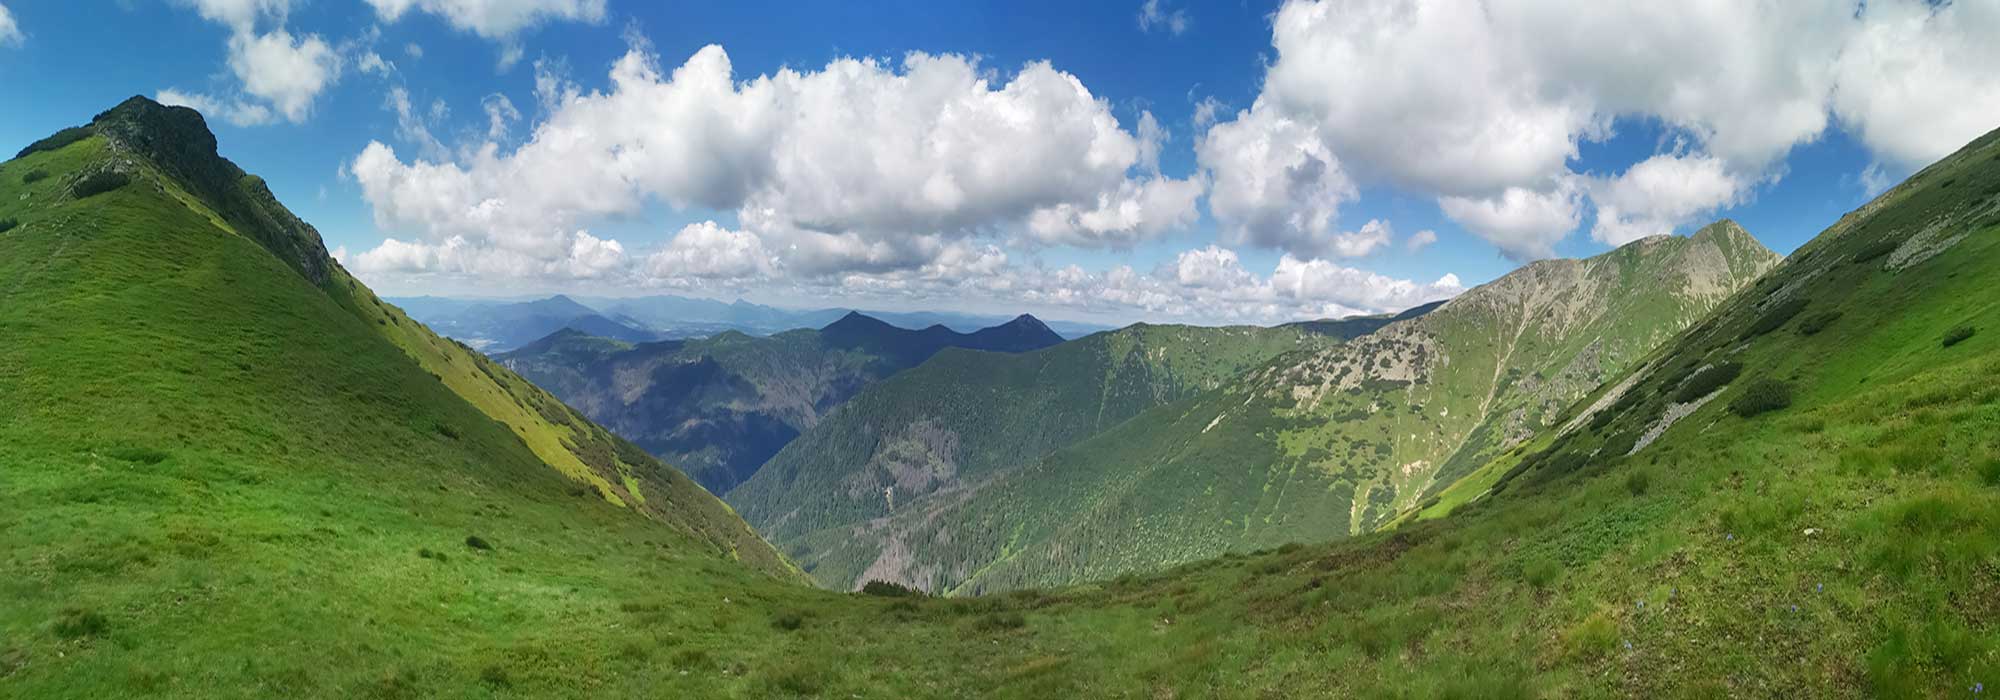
x: 217, y: 481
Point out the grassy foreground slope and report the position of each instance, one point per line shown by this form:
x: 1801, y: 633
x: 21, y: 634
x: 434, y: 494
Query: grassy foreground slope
x: 928, y: 437
x: 720, y: 407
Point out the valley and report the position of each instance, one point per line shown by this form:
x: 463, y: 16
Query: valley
x: 1684, y: 467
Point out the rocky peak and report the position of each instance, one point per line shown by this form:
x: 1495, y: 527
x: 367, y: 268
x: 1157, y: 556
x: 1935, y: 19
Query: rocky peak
x: 177, y: 143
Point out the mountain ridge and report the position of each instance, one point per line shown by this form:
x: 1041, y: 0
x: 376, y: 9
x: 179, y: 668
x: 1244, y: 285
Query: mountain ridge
x: 1310, y: 445
x: 721, y: 406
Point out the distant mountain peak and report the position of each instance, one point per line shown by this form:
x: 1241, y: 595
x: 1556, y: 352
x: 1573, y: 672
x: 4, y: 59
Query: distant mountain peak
x: 855, y: 320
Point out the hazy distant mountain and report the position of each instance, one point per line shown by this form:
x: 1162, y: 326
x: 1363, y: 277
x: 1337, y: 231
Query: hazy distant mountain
x: 499, y: 326
x: 502, y: 325
x: 718, y: 407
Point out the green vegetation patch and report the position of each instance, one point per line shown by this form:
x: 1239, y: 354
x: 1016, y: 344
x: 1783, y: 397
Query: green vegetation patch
x: 1707, y: 381
x: 1761, y: 396
x: 1958, y: 334
x: 1775, y: 317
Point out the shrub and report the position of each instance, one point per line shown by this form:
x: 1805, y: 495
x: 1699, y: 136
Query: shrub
x: 789, y: 621
x: 1591, y: 638
x: 1876, y: 250
x: 889, y: 590
x: 34, y: 176
x: 428, y: 553
x: 1620, y: 445
x: 77, y: 623
x: 1762, y: 396
x: 1990, y: 472
x: 57, y: 141
x: 1707, y: 381
x: 1775, y: 316
x: 8, y: 224
x: 1637, y: 482
x: 1818, y: 322
x: 1958, y: 335
x: 99, y: 183
x: 475, y: 542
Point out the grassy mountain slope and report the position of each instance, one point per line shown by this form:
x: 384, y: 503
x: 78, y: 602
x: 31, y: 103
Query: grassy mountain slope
x: 934, y: 434
x: 719, y: 407
x: 174, y: 525
x: 127, y: 305
x: 1323, y: 445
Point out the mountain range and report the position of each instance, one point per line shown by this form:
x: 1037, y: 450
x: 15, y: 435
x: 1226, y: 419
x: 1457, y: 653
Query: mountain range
x: 719, y: 407
x: 229, y: 469
x: 497, y: 326
x: 1307, y: 446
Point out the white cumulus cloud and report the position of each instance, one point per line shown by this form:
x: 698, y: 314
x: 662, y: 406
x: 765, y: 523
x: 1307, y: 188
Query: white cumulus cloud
x: 1660, y: 194
x: 497, y: 20
x: 860, y: 165
x: 1523, y: 223
x: 1484, y: 104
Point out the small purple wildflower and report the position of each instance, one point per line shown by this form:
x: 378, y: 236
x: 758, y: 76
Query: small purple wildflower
x: 1819, y: 588
x: 1978, y: 688
x: 1795, y: 608
x: 1628, y: 647
x: 1731, y: 536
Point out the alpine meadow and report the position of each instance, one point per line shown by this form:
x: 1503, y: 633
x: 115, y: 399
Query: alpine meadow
x: 1148, y: 349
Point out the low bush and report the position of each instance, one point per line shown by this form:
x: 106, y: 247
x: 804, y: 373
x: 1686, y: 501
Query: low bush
x: 1620, y: 445
x: 1958, y: 335
x: 34, y: 176
x: 475, y: 542
x: 428, y: 553
x: 99, y: 183
x: 57, y: 141
x: 1638, y: 482
x: 1818, y: 322
x: 886, y: 589
x: 8, y: 224
x: 1707, y: 381
x: 1775, y: 317
x: 789, y: 621
x: 77, y: 623
x: 1762, y: 396
x: 1876, y: 250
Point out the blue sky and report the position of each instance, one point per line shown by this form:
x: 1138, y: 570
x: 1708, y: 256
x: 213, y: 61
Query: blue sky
x: 1454, y: 111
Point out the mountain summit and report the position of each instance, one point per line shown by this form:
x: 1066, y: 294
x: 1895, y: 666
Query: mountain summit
x: 218, y: 325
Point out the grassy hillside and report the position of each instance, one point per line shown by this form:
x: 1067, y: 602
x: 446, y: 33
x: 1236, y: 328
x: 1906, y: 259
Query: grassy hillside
x: 216, y: 482
x: 1316, y: 446
x: 190, y: 413
x: 931, y: 436
x: 720, y: 407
